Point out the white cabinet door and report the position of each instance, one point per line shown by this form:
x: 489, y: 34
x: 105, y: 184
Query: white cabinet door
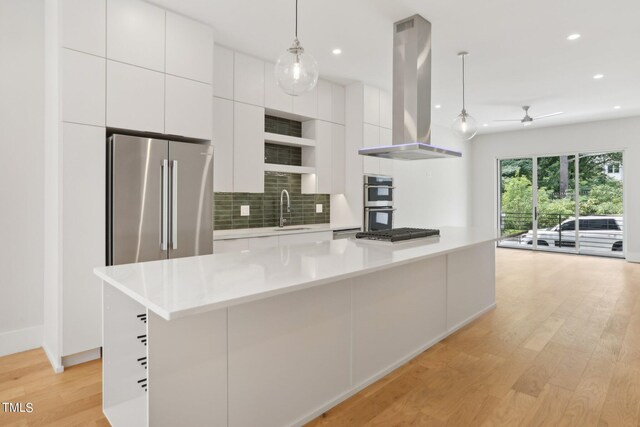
x: 222, y: 72
x: 232, y: 245
x: 188, y: 107
x: 371, y: 105
x: 83, y: 238
x: 222, y: 145
x: 302, y: 238
x: 135, y: 98
x: 325, y: 100
x: 189, y: 48
x: 323, y: 157
x: 248, y: 148
x: 136, y: 33
x: 337, y: 159
x: 386, y: 165
x: 274, y: 97
x: 82, y: 93
x: 371, y: 138
x: 337, y: 104
x: 265, y: 242
x: 385, y: 109
x: 84, y: 25
x: 248, y: 82
x: 306, y: 104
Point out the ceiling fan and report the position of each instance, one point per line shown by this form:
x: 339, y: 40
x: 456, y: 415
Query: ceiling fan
x: 527, y: 119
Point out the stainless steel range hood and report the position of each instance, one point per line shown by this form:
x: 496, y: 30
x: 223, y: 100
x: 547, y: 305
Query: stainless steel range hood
x: 411, y: 95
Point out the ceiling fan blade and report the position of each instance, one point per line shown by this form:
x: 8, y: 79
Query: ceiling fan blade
x: 548, y: 115
x: 509, y: 120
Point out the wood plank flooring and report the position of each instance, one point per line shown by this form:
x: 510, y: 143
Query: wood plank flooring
x: 562, y: 348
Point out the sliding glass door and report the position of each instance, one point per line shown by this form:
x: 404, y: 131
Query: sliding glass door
x: 515, y: 201
x: 568, y: 203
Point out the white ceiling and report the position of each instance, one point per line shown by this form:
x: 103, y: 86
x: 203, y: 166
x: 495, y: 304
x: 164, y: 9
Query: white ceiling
x: 519, y: 51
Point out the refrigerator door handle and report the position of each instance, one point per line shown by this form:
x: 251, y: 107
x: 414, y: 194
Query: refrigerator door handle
x: 164, y: 217
x: 174, y: 204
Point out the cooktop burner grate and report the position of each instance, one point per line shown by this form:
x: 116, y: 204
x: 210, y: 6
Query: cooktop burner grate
x: 398, y: 234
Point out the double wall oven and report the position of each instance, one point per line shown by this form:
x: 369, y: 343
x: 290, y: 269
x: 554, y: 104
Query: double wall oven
x: 378, y: 202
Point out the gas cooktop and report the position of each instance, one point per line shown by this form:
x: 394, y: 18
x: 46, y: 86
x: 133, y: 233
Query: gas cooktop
x: 398, y: 234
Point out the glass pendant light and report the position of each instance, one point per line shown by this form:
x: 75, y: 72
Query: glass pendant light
x: 464, y: 126
x: 296, y: 71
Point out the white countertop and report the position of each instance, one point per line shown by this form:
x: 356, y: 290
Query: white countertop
x: 180, y: 287
x: 244, y: 233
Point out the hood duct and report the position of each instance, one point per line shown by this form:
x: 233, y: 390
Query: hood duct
x: 411, y: 95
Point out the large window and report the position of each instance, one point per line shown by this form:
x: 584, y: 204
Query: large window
x: 541, y: 198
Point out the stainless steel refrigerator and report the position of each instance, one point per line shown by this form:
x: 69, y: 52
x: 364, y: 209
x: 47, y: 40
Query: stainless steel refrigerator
x: 159, y: 199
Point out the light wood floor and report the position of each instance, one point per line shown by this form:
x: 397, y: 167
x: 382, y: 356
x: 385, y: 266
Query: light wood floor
x: 561, y: 348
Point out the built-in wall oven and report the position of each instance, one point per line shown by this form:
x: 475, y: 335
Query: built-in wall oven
x: 378, y: 202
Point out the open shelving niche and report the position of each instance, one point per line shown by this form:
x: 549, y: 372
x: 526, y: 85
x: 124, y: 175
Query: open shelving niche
x: 307, y: 170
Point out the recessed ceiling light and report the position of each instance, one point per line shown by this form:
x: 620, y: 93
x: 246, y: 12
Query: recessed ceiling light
x: 617, y: 107
x: 598, y: 76
x: 437, y: 106
x: 575, y: 36
x: 336, y: 51
x: 485, y: 124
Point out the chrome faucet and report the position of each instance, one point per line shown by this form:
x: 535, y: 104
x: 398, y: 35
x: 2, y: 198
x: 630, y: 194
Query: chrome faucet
x: 282, y: 193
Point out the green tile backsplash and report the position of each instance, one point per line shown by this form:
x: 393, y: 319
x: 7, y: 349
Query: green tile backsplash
x: 265, y: 207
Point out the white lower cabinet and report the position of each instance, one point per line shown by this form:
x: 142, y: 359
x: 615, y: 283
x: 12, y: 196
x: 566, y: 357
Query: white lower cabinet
x: 302, y: 238
x: 230, y: 245
x: 83, y: 237
x: 265, y: 242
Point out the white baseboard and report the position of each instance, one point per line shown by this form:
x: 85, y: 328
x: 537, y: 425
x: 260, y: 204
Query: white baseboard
x: 83, y: 356
x: 55, y: 361
x: 355, y: 389
x: 20, y: 340
x: 632, y: 256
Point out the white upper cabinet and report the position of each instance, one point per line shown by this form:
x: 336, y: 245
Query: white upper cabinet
x: 136, y: 33
x: 386, y: 165
x: 325, y: 101
x: 135, y: 98
x: 371, y: 138
x: 323, y: 157
x: 371, y: 105
x: 306, y: 104
x: 274, y: 97
x: 222, y: 72
x: 248, y: 148
x: 188, y: 108
x: 337, y: 159
x: 337, y: 104
x: 385, y: 110
x: 189, y: 48
x: 222, y: 145
x: 83, y: 94
x: 248, y: 82
x: 84, y: 25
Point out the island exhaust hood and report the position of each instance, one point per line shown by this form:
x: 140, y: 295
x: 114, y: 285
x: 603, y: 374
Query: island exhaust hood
x: 411, y: 95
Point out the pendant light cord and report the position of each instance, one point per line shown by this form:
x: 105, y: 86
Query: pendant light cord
x: 463, y: 107
x: 296, y: 19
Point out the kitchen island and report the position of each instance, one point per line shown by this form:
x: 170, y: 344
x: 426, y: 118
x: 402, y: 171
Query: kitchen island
x: 275, y: 337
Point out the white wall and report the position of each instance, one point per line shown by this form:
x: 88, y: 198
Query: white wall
x: 609, y: 135
x: 434, y: 193
x: 21, y: 174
